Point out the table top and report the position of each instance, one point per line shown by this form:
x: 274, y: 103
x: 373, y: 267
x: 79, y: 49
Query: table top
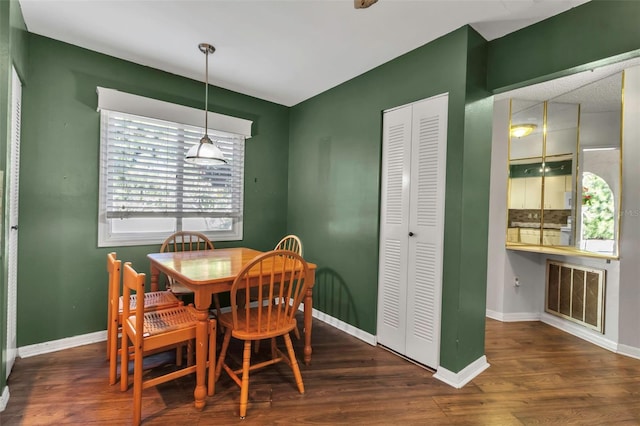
x: 207, y: 266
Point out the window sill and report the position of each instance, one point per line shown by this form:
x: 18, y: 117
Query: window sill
x: 559, y: 250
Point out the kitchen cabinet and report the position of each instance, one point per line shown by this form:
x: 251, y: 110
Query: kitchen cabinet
x: 513, y: 235
x: 524, y: 193
x: 517, y: 193
x: 530, y: 236
x: 554, y: 189
x: 551, y: 237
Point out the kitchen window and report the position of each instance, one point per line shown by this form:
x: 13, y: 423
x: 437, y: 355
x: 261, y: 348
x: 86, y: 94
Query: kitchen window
x: 147, y: 190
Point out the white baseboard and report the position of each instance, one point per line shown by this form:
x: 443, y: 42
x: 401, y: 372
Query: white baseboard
x: 345, y: 327
x: 579, y: 331
x: 100, y: 336
x: 58, y: 345
x: 629, y: 351
x: 4, y: 399
x: 513, y: 317
x: 458, y: 380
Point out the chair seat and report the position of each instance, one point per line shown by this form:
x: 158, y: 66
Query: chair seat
x: 152, y: 300
x: 276, y: 327
x: 162, y: 321
x: 177, y: 288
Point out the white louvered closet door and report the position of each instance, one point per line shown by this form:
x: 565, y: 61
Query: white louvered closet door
x: 410, y: 281
x: 394, y: 220
x: 14, y: 172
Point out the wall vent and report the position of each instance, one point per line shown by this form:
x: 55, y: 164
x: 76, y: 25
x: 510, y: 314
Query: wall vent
x: 576, y: 293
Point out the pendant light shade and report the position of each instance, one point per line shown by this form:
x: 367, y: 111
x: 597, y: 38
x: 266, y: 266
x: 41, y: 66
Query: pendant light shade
x: 206, y: 153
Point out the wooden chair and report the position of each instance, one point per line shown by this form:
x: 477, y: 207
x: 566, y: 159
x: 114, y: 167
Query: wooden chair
x: 186, y: 241
x: 292, y: 243
x: 151, y: 332
x: 152, y: 301
x: 281, y: 276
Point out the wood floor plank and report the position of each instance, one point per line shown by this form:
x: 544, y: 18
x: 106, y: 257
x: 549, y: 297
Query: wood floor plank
x: 538, y: 375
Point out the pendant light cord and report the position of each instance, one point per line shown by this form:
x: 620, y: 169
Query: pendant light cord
x: 206, y: 92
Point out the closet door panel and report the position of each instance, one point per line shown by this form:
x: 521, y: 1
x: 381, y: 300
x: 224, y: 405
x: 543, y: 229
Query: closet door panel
x: 394, y: 220
x: 426, y: 222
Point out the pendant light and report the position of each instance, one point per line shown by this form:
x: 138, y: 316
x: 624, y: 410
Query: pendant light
x: 206, y: 153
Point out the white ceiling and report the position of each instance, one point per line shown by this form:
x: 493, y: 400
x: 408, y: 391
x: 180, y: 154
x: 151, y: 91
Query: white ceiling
x: 281, y: 51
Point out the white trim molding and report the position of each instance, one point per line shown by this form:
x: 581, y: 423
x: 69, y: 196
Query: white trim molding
x: 115, y: 100
x: 629, y: 351
x: 60, y: 344
x: 458, y: 380
x: 579, y: 331
x: 4, y: 399
x: 343, y: 326
x: 513, y: 317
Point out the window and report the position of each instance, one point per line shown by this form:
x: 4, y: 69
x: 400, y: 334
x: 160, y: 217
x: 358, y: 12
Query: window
x: 147, y: 190
x: 597, y: 214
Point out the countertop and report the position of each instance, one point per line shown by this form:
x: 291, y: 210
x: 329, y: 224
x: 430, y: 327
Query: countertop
x: 536, y: 225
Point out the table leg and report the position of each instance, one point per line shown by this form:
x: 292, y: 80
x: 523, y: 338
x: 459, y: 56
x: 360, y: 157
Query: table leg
x: 308, y: 309
x: 200, y: 392
x: 155, y: 274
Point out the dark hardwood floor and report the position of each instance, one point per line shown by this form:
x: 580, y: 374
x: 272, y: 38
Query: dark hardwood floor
x: 538, y: 375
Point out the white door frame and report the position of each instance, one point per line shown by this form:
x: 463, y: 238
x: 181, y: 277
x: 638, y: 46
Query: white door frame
x: 12, y: 210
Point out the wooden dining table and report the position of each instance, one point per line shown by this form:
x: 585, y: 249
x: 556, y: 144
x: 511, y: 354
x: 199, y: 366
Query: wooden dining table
x: 207, y: 273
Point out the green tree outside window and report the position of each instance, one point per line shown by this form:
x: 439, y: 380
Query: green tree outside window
x: 597, y: 208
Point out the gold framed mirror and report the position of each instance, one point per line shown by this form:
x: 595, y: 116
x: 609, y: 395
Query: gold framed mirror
x: 565, y: 156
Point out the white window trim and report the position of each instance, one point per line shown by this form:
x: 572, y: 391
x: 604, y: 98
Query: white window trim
x: 114, y: 100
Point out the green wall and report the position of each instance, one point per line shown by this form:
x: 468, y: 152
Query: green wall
x: 62, y: 273
x: 593, y: 34
x: 334, y: 185
x: 335, y: 151
x: 326, y: 149
x: 13, y: 49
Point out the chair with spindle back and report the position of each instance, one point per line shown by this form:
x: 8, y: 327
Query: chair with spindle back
x: 154, y: 331
x: 186, y: 241
x: 281, y: 278
x: 292, y: 243
x: 155, y: 300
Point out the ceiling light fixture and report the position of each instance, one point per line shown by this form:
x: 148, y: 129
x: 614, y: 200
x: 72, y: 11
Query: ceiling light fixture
x: 363, y: 4
x: 521, y: 130
x: 206, y: 153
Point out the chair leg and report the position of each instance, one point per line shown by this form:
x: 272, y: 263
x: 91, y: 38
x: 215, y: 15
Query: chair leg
x: 211, y: 382
x: 223, y: 352
x: 294, y: 363
x: 244, y: 389
x: 216, y: 303
x: 137, y: 387
x: 112, y: 344
x: 296, y: 331
x: 274, y: 349
x: 124, y: 362
x: 109, y: 331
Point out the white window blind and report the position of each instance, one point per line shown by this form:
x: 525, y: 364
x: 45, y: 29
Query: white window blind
x: 146, y: 175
